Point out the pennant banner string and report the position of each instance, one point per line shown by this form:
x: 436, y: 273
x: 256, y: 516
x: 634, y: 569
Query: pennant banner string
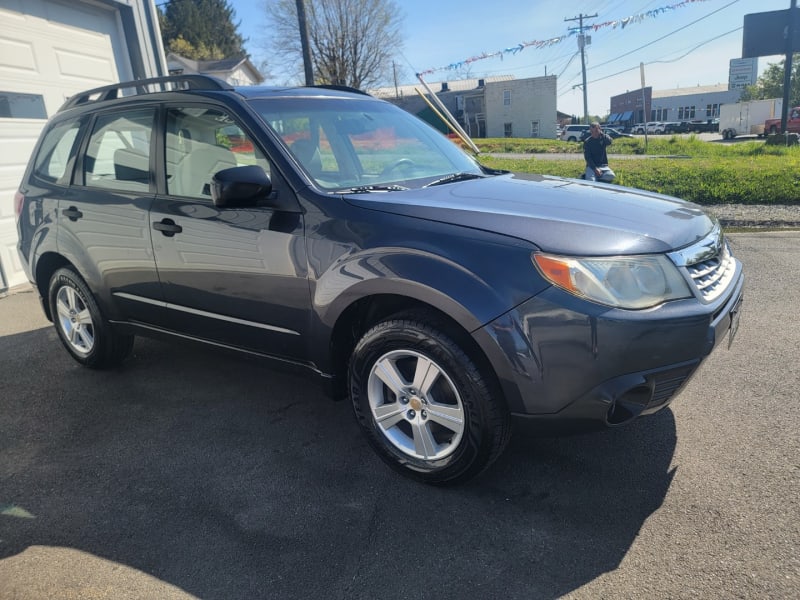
x: 513, y: 50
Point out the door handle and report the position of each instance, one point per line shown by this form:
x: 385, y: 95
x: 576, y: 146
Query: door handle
x: 72, y: 213
x: 168, y: 227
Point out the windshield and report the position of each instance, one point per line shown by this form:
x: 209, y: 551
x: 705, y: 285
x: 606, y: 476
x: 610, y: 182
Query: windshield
x: 348, y: 144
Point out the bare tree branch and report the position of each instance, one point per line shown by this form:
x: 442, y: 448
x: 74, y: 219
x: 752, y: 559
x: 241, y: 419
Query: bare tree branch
x: 353, y: 42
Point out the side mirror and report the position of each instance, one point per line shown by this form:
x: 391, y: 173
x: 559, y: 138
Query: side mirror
x: 240, y: 186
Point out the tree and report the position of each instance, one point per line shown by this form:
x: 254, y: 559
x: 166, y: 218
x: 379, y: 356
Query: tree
x: 201, y: 29
x: 352, y: 41
x: 770, y: 84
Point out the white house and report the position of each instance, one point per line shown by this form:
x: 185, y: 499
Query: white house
x: 50, y: 50
x: 499, y: 106
x: 236, y: 71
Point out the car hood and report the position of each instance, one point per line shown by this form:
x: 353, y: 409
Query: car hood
x: 566, y: 216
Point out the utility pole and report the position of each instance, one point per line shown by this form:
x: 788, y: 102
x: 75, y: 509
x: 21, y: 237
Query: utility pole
x: 582, y: 43
x: 303, y: 25
x: 787, y: 67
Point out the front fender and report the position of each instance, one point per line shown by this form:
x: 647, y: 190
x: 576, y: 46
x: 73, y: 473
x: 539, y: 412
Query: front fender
x: 472, y: 297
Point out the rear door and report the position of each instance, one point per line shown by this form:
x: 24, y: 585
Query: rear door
x: 236, y: 276
x: 103, y: 217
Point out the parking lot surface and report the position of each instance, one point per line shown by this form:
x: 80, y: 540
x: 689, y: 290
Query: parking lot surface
x: 190, y: 473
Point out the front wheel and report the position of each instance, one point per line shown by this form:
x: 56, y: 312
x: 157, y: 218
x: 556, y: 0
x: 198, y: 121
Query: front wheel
x: 423, y: 403
x: 81, y: 327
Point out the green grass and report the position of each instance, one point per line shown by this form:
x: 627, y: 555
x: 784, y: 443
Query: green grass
x: 686, y: 167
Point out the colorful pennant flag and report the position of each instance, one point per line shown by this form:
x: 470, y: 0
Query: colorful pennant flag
x: 621, y: 23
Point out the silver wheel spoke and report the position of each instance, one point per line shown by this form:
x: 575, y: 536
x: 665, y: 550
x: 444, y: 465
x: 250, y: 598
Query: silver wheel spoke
x: 388, y: 415
x: 424, y: 444
x: 72, y: 298
x: 85, y: 338
x: 62, y: 308
x: 84, y: 316
x: 387, y: 372
x: 425, y: 375
x: 451, y: 417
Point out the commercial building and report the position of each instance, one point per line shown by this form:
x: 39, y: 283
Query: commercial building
x: 680, y: 104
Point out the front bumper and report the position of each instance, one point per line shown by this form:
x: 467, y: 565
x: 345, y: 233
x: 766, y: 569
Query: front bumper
x: 566, y: 364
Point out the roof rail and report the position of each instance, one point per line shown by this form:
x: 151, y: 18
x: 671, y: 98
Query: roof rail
x: 148, y: 86
x: 340, y: 88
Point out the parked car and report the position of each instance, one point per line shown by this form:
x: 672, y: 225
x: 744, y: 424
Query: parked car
x: 611, y: 131
x: 573, y: 133
x: 707, y: 126
x: 676, y: 127
x: 350, y: 240
x: 652, y: 127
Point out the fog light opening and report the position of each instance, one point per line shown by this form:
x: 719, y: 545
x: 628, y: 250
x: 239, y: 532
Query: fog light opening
x: 629, y: 405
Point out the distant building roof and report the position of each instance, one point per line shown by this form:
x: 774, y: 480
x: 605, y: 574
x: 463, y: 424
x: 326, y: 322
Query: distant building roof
x: 460, y: 85
x: 686, y: 91
x: 223, y: 68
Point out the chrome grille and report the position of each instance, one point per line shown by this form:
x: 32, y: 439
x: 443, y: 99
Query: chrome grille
x: 709, y: 265
x: 712, y: 276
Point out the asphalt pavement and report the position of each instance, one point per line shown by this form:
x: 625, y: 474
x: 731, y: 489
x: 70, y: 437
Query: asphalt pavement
x: 188, y: 473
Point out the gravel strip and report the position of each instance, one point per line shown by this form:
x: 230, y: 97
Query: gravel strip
x: 756, y: 215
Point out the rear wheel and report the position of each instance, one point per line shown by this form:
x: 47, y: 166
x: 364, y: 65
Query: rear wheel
x: 86, y: 335
x: 423, y: 403
x: 773, y: 130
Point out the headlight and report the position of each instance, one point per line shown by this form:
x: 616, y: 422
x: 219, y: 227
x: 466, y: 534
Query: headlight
x: 619, y: 281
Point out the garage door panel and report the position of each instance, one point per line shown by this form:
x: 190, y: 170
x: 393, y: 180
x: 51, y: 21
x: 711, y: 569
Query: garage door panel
x: 17, y: 56
x: 85, y: 67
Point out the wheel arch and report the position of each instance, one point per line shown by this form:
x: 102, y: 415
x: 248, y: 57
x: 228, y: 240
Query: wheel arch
x: 362, y: 314
x: 46, y: 265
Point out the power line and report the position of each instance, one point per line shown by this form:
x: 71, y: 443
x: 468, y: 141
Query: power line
x: 667, y: 35
x: 700, y: 45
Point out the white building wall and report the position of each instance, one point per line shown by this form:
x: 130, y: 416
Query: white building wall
x: 529, y: 100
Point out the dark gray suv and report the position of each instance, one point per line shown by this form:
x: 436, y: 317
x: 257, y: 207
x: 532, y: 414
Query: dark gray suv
x: 335, y: 233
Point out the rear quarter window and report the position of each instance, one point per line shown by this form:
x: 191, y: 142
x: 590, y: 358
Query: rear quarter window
x: 56, y: 151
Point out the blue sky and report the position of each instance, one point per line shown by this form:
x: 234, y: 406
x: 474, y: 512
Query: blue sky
x: 699, y: 39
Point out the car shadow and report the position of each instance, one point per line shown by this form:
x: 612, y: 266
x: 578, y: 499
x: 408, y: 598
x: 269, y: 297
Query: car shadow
x: 222, y: 478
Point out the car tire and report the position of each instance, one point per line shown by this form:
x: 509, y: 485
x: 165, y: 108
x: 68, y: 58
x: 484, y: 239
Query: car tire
x: 424, y: 405
x: 80, y: 325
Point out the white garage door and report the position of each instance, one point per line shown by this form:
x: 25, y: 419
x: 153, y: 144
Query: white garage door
x: 49, y: 50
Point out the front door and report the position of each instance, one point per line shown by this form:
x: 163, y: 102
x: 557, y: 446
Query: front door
x: 235, y: 276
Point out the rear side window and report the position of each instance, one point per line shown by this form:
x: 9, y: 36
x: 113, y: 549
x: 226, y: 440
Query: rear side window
x: 55, y: 152
x: 118, y: 154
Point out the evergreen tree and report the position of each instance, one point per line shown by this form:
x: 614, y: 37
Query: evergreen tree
x: 201, y: 29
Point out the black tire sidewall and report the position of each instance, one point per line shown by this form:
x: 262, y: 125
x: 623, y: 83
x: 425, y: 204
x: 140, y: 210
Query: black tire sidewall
x: 474, y: 450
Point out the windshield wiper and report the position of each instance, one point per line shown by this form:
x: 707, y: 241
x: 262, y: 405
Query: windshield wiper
x: 455, y: 177
x: 364, y: 189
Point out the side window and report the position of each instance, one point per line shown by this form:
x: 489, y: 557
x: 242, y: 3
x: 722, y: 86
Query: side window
x: 55, y: 151
x: 118, y: 155
x: 201, y: 141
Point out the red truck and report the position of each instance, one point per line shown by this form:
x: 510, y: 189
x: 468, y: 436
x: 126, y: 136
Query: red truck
x: 773, y: 126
